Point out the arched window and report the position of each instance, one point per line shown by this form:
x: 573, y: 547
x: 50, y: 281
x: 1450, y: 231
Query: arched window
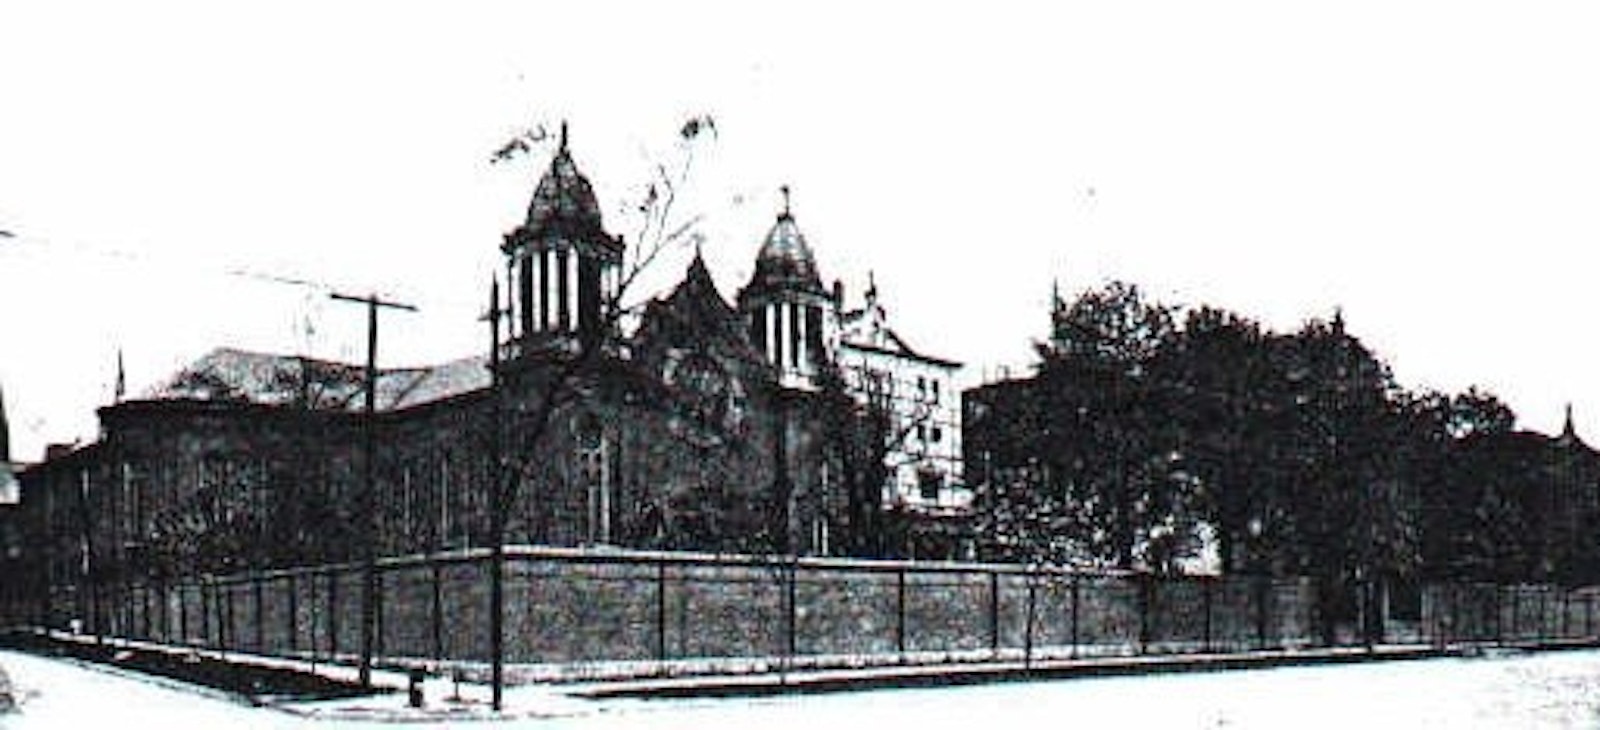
x: 596, y: 476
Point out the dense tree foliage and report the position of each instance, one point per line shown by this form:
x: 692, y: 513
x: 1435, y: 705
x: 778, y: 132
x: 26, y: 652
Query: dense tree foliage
x: 1149, y: 431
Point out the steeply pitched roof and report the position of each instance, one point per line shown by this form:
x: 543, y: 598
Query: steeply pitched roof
x: 892, y: 345
x: 694, y: 313
x: 564, y: 200
x: 239, y: 376
x: 785, y: 261
x: 867, y: 330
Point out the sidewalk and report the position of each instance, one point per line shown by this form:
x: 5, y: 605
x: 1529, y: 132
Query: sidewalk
x: 944, y: 675
x: 449, y: 699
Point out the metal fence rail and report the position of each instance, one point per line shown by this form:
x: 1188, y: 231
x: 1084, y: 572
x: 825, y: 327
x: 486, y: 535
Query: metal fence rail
x: 634, y: 611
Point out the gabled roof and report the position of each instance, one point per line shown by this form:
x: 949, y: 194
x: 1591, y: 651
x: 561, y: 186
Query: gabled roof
x: 694, y: 313
x: 867, y: 330
x: 239, y: 376
x: 894, y: 346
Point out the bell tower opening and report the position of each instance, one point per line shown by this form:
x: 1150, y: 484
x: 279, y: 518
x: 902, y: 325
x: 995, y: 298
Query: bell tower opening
x: 785, y: 305
x: 566, y: 267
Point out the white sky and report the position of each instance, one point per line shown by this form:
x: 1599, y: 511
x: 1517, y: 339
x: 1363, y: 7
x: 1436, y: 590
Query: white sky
x: 1433, y: 168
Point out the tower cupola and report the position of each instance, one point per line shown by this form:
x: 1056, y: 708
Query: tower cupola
x: 564, y: 269
x: 789, y: 313
x: 785, y: 262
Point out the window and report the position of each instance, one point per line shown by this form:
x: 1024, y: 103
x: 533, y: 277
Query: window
x: 594, y: 472
x: 758, y: 330
x: 938, y: 434
x: 132, y: 522
x: 928, y: 483
x: 936, y: 395
x: 446, y: 494
x: 407, y: 529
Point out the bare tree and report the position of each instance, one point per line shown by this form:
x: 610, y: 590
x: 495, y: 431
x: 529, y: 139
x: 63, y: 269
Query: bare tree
x: 659, y: 227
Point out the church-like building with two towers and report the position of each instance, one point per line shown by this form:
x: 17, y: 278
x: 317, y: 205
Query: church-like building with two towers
x: 708, y: 425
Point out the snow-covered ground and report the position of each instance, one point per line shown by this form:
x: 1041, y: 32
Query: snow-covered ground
x: 1554, y: 690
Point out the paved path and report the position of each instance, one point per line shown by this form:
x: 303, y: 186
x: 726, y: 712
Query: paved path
x: 64, y: 694
x: 1553, y: 690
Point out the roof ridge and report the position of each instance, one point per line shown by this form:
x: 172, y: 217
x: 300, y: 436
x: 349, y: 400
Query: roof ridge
x: 400, y: 397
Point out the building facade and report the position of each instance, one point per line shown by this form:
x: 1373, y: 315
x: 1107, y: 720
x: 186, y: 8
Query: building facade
x: 921, y: 395
x: 706, y: 427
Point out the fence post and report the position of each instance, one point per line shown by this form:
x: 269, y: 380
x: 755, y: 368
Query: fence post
x: 145, y: 600
x: 1075, y: 607
x: 230, y: 634
x: 1430, y: 614
x: 1545, y: 601
x: 1499, y: 625
x: 378, y: 606
x: 1027, y: 645
x: 1588, y: 616
x: 436, y: 616
x: 294, y: 613
x: 112, y: 593
x: 1541, y: 626
x: 900, y: 612
x: 994, y: 610
x: 1142, y: 601
x: 1450, y: 629
x: 794, y: 577
x: 333, y: 615
x: 213, y: 608
x: 161, y: 626
x: 259, y: 582
x: 1564, y: 608
x: 216, y: 631
x: 1543, y: 629
x: 208, y: 600
x: 1454, y: 629
x: 661, y: 610
x: 1516, y: 613
x: 119, y: 608
x: 1205, y: 597
x: 1260, y: 585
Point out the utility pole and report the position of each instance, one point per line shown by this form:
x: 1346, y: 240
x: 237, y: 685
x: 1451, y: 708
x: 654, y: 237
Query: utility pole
x: 497, y: 552
x: 368, y: 502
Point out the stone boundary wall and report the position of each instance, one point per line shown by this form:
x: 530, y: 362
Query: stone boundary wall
x: 568, y: 606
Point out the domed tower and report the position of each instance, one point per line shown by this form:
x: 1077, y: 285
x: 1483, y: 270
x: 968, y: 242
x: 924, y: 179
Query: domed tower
x: 785, y: 305
x: 563, y: 267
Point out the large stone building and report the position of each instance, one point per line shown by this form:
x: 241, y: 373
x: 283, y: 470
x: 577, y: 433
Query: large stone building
x: 709, y: 426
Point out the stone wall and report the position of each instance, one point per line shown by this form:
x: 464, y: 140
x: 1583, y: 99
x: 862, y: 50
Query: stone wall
x: 567, y: 606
